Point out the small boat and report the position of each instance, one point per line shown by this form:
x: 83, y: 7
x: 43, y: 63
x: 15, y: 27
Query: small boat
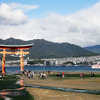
x: 96, y: 66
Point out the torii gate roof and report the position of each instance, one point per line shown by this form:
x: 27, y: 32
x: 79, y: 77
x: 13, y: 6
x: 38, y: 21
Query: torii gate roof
x: 15, y: 46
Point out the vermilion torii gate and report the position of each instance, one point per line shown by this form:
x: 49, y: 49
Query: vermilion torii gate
x: 13, y: 49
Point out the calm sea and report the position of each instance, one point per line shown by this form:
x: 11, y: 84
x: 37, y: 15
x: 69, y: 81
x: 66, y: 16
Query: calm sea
x: 52, y: 68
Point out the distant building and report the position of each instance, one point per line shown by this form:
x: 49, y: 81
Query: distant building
x: 47, y: 63
x: 51, y: 63
x: 25, y: 62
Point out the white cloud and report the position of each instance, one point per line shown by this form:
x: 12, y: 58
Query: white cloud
x: 8, y: 16
x: 80, y: 28
x: 13, y: 13
x: 24, y: 7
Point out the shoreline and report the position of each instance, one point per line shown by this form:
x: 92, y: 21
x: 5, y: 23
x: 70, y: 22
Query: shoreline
x: 11, y: 69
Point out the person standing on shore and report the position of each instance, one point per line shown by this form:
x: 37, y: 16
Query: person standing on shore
x: 81, y: 75
x: 63, y: 75
x: 28, y: 75
x: 92, y: 75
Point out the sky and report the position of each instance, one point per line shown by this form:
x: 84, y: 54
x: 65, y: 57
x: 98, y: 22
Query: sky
x: 73, y: 21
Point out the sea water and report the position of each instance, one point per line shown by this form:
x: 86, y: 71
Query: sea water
x: 52, y: 68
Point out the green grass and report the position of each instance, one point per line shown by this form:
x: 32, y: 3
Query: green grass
x: 9, y: 83
x: 25, y: 96
x: 71, y: 76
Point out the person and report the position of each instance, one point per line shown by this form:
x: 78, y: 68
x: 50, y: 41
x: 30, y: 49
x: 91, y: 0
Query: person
x: 57, y: 75
x: 28, y: 75
x: 63, y: 75
x: 93, y: 75
x: 81, y: 75
x: 0, y: 76
x: 60, y: 75
x: 44, y: 75
x: 31, y: 75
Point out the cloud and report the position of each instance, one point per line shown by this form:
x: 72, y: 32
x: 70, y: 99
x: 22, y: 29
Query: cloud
x: 14, y: 13
x: 80, y: 28
x: 24, y: 7
x: 8, y: 16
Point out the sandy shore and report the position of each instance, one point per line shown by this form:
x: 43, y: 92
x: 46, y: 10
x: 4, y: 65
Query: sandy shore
x: 45, y: 94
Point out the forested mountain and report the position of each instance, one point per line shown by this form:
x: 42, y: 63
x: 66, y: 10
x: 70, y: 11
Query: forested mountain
x: 46, y: 49
x: 95, y: 49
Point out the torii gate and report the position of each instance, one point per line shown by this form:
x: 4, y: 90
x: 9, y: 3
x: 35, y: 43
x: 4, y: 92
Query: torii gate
x: 13, y: 48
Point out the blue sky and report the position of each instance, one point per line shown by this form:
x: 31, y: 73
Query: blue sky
x: 63, y: 7
x: 73, y: 21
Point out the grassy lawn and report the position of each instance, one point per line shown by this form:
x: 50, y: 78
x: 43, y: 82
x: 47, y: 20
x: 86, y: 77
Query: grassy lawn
x: 71, y: 80
x: 9, y: 83
x: 71, y: 76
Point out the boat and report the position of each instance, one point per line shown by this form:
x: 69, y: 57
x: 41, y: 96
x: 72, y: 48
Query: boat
x: 96, y: 66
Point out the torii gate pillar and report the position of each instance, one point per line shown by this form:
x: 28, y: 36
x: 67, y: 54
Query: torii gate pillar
x: 21, y: 61
x: 3, y: 62
x: 3, y: 65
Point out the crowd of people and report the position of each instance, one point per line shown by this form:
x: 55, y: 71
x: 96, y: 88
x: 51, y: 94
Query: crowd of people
x: 82, y: 75
x: 32, y: 74
x: 61, y: 75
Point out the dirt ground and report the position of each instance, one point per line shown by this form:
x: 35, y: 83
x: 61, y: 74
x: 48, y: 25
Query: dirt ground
x: 45, y: 94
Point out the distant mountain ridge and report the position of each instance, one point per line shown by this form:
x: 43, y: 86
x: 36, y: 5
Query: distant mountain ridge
x: 46, y: 49
x: 95, y: 49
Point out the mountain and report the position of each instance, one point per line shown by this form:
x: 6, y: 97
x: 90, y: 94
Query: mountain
x: 46, y: 49
x: 95, y: 49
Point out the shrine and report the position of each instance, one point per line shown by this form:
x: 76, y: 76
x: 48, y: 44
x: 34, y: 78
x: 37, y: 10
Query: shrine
x: 15, y: 49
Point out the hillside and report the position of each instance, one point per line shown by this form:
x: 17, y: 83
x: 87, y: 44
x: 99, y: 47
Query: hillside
x: 95, y: 49
x: 46, y: 49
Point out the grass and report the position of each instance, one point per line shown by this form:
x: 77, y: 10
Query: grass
x: 25, y: 96
x: 9, y: 83
x: 71, y: 76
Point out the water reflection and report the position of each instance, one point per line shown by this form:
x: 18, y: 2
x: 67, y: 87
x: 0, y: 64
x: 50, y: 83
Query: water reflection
x: 4, y: 95
x: 9, y: 92
x: 21, y: 81
x: 6, y: 98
